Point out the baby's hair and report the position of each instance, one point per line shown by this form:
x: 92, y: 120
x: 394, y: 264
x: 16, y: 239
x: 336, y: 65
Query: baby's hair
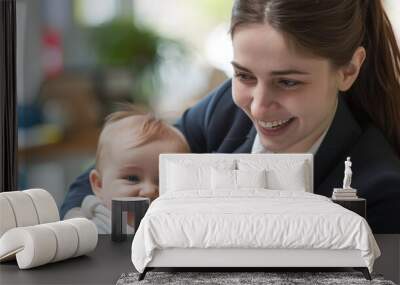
x: 149, y: 129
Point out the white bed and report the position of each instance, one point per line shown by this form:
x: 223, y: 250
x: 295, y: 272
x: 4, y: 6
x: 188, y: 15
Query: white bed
x: 242, y: 210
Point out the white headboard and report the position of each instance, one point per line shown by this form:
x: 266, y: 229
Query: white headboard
x: 214, y: 158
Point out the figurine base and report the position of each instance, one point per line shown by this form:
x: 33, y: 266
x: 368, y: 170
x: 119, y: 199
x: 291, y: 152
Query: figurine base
x: 346, y: 190
x: 344, y: 193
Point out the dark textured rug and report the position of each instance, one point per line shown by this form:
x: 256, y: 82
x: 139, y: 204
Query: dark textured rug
x: 229, y: 278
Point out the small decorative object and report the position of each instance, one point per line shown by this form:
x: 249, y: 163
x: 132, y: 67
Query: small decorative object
x: 347, y: 192
x: 347, y: 174
x: 121, y: 208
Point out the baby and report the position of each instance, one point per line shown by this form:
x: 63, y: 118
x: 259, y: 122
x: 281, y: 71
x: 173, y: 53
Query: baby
x: 127, y: 162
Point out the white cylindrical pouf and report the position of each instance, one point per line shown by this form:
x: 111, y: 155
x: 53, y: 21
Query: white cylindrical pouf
x: 22, y: 205
x: 34, y: 245
x: 7, y: 217
x: 87, y: 235
x: 67, y: 239
x: 45, y: 205
x: 40, y: 244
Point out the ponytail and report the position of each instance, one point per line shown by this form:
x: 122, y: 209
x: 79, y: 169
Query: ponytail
x: 375, y: 95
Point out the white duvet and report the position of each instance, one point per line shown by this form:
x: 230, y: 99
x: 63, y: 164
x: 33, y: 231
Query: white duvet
x: 250, y: 219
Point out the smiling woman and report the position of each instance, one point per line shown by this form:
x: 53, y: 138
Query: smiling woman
x: 319, y: 77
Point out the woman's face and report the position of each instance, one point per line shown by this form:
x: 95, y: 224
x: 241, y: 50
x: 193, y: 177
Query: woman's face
x: 291, y: 97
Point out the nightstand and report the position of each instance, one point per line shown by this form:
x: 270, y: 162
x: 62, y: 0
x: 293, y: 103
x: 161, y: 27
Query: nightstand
x: 357, y: 205
x: 121, y: 206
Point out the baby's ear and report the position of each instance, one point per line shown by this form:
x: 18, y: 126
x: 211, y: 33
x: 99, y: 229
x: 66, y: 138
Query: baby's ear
x: 95, y: 182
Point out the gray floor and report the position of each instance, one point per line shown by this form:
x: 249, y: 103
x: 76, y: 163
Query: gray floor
x: 389, y: 263
x: 110, y: 260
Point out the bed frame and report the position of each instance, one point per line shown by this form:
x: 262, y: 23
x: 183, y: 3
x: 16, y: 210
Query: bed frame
x: 249, y: 259
x: 245, y: 259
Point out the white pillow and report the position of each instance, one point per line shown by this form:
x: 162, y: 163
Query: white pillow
x: 251, y: 178
x: 193, y: 174
x: 223, y: 179
x: 282, y: 174
x: 235, y: 179
x: 181, y: 178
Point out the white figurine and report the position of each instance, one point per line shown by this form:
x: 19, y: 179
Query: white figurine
x: 347, y: 174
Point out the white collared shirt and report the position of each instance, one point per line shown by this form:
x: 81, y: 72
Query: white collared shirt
x: 259, y: 148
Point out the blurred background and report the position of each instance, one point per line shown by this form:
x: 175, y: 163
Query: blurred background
x: 76, y: 59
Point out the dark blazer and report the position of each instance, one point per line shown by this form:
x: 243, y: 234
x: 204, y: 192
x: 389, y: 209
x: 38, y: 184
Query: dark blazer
x: 216, y: 124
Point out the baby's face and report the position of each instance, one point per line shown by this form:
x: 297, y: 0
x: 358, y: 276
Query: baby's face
x: 128, y: 171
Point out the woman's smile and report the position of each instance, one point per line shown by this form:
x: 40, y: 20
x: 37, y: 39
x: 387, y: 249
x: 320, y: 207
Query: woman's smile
x: 275, y: 128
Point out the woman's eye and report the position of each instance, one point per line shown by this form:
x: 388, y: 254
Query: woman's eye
x: 244, y: 76
x: 286, y: 83
x: 133, y: 178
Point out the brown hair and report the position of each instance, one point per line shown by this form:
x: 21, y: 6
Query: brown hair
x: 149, y: 129
x: 334, y: 30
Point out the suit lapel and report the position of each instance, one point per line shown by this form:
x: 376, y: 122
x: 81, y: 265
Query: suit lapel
x: 247, y: 144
